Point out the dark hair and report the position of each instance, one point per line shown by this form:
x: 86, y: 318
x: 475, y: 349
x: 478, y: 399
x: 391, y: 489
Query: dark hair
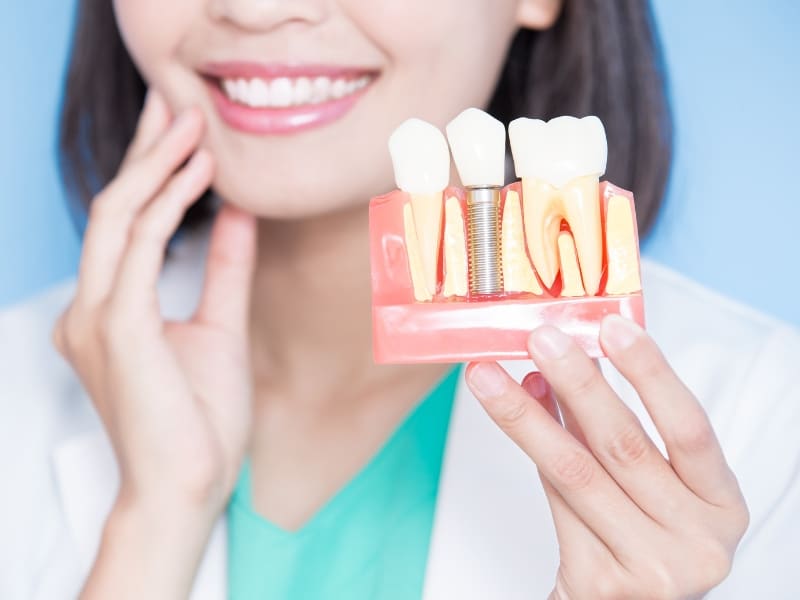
x: 599, y: 58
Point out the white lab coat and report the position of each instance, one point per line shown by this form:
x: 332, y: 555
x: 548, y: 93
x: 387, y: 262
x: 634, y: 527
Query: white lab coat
x: 493, y: 536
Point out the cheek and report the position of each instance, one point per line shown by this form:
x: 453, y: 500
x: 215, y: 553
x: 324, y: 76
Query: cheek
x: 152, y: 31
x: 446, y: 51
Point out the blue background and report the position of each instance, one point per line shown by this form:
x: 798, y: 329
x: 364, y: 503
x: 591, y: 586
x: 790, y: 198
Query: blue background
x: 733, y: 208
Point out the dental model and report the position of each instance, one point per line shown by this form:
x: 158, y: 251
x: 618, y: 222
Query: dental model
x: 467, y: 274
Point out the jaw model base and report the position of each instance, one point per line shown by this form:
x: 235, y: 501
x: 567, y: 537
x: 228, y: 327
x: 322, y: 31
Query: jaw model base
x: 490, y: 330
x: 441, y: 327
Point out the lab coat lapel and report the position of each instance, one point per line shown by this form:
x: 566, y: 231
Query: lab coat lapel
x: 86, y: 470
x: 88, y: 479
x: 493, y: 536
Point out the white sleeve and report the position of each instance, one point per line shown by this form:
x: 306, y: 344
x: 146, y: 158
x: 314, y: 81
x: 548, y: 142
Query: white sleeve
x: 763, y: 448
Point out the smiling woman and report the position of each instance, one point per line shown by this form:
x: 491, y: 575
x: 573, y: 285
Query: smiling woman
x: 581, y: 65
x: 213, y: 423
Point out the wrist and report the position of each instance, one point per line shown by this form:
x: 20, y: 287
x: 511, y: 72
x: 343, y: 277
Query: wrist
x: 148, y: 551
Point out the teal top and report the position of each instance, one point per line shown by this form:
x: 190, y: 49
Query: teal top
x: 369, y: 541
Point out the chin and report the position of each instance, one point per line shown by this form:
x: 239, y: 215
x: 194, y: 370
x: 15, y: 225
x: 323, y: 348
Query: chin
x: 282, y: 201
x: 296, y: 196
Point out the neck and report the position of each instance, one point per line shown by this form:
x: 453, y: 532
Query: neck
x: 312, y: 309
x: 322, y: 407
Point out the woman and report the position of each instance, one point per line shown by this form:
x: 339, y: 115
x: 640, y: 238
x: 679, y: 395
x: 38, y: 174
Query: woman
x: 243, y: 440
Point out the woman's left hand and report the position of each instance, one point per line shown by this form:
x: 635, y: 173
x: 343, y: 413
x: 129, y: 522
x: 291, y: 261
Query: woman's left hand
x: 630, y: 523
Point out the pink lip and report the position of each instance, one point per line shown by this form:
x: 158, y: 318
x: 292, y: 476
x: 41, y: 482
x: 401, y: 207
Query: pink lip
x: 280, y: 121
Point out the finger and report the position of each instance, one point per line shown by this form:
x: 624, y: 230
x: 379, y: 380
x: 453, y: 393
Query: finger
x: 571, y: 468
x: 536, y: 385
x: 692, y: 446
x: 577, y: 542
x: 611, y: 430
x: 225, y: 301
x: 153, y: 122
x: 115, y: 208
x: 135, y: 293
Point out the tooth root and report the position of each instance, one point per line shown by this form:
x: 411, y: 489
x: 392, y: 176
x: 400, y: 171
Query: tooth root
x: 518, y: 275
x: 421, y: 293
x: 541, y: 205
x: 570, y: 272
x: 582, y: 211
x: 455, y: 250
x: 427, y: 209
x: 623, y: 255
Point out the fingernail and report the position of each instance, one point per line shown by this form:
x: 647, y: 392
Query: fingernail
x: 488, y: 379
x: 549, y: 342
x: 618, y: 333
x: 535, y: 385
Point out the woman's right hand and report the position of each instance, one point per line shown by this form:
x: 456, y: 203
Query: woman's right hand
x: 174, y: 397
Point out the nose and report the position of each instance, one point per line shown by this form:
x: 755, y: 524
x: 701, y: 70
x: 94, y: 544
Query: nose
x: 264, y: 15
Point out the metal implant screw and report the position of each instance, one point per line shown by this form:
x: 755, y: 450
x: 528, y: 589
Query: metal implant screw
x: 483, y: 240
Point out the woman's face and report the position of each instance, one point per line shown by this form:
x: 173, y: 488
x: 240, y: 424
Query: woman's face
x: 326, y: 150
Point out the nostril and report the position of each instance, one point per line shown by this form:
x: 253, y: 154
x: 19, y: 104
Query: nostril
x: 266, y: 15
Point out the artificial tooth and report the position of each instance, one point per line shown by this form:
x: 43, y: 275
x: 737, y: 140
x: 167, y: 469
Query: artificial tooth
x: 455, y: 250
x: 478, y: 142
x: 415, y: 266
x: 570, y: 271
x: 421, y: 162
x: 560, y: 163
x: 623, y: 256
x: 518, y: 275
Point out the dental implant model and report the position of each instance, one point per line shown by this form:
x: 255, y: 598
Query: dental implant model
x: 478, y: 142
x: 465, y: 274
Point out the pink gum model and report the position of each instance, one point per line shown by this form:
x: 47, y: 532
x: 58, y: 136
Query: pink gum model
x: 463, y: 329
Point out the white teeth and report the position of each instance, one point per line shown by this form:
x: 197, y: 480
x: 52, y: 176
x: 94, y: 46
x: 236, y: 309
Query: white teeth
x: 283, y: 92
x: 259, y: 92
x: 559, y: 150
x: 421, y: 158
x: 478, y: 142
x: 302, y: 91
x: 321, y: 89
x: 229, y: 85
x: 242, y: 90
x: 339, y: 88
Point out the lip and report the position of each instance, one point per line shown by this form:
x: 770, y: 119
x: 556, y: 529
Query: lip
x: 281, y: 121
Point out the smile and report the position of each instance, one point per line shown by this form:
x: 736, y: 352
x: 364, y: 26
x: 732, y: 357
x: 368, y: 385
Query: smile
x: 277, y: 99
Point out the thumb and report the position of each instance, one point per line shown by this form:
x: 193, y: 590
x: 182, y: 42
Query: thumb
x: 225, y: 301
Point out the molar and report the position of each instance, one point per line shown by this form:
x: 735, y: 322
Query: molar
x: 560, y: 163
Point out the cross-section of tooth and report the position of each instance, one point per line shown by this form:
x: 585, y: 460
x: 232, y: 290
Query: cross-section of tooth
x: 455, y: 250
x: 518, y: 275
x: 415, y: 267
x: 623, y: 256
x: 560, y: 163
x: 421, y: 161
x: 572, y: 286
